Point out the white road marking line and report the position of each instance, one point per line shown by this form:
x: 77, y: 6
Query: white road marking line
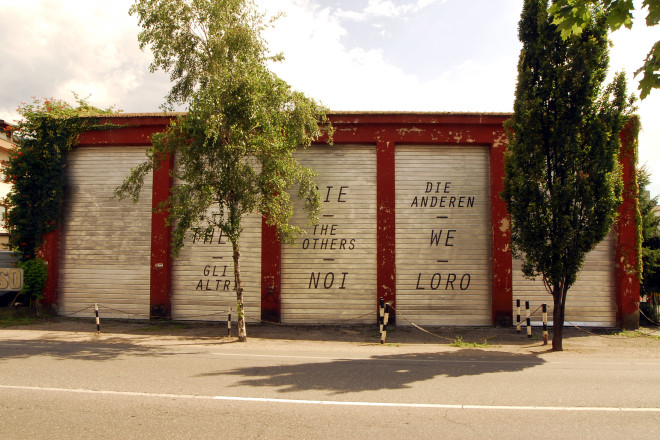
x: 334, y: 402
x: 106, y: 392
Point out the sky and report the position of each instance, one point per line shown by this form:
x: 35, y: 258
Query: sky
x: 352, y: 55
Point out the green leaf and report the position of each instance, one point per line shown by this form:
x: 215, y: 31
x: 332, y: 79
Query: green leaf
x: 619, y: 13
x: 653, y: 17
x: 571, y: 17
x: 651, y: 70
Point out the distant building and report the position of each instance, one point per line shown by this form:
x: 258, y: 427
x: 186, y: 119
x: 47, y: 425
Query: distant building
x: 6, y: 147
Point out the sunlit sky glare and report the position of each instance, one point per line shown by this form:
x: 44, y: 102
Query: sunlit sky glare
x: 366, y: 55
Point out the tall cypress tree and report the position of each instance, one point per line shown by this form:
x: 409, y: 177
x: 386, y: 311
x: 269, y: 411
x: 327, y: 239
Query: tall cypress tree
x: 562, y: 185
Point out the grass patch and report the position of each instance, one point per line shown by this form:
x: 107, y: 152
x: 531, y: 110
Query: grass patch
x: 166, y: 326
x: 459, y: 342
x: 13, y: 321
x: 636, y: 334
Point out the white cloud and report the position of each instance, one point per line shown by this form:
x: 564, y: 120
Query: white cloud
x: 627, y: 54
x: 51, y: 47
x: 88, y: 47
x: 384, y: 8
x: 318, y: 63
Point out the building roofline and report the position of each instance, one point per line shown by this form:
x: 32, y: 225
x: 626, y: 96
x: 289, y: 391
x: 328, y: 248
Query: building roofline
x: 331, y: 112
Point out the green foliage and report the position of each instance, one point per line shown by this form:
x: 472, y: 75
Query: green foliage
x: 167, y: 325
x: 35, y: 274
x: 458, y: 342
x: 235, y: 146
x: 197, y: 40
x: 562, y: 182
x: 36, y: 168
x: 253, y: 173
x: 650, y: 234
x: 636, y: 334
x: 12, y: 321
x: 573, y: 16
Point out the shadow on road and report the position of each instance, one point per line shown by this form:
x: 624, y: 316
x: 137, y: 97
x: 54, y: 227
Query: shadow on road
x: 388, y: 372
x: 83, y: 350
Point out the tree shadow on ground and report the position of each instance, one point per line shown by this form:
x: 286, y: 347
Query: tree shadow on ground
x: 81, y: 350
x: 389, y: 372
x: 215, y: 331
x: 429, y: 335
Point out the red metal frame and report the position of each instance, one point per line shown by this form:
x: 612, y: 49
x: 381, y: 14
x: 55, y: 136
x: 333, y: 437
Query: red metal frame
x: 49, y: 251
x: 161, y: 235
x: 386, y: 131
x: 627, y: 281
x: 386, y: 227
x: 501, y: 261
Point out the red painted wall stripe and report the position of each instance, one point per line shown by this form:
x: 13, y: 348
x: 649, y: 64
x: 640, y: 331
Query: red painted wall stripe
x: 627, y: 282
x: 501, y: 259
x: 386, y: 226
x: 161, y: 262
x: 129, y: 131
x: 385, y: 130
x: 50, y: 251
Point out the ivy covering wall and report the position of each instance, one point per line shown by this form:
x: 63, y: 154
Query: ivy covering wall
x: 36, y: 169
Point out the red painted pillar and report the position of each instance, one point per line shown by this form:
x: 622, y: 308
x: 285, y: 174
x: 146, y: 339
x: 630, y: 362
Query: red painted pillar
x: 502, y: 281
x: 626, y: 259
x: 386, y: 227
x: 50, y: 252
x: 161, y: 260
x: 271, y: 274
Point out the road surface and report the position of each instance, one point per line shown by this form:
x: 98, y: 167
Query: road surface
x: 59, y: 385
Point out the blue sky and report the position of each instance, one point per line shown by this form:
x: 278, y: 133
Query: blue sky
x: 371, y: 55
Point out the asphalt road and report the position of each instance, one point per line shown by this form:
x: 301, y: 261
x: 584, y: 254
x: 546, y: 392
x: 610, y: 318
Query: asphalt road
x: 56, y: 385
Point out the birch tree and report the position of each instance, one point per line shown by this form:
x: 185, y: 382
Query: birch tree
x: 235, y: 146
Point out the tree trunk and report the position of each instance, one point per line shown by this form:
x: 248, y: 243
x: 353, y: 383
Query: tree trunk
x: 559, y: 298
x: 242, y: 331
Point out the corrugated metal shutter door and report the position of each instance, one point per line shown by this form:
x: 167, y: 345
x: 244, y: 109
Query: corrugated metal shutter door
x: 203, y: 286
x: 106, y: 244
x: 590, y: 301
x: 443, y: 235
x: 330, y: 276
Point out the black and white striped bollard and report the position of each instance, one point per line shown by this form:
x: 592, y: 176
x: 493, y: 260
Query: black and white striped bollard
x: 529, y: 320
x: 386, y: 317
x: 229, y: 323
x: 518, y: 315
x: 545, y: 324
x: 381, y: 314
x: 98, y: 321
